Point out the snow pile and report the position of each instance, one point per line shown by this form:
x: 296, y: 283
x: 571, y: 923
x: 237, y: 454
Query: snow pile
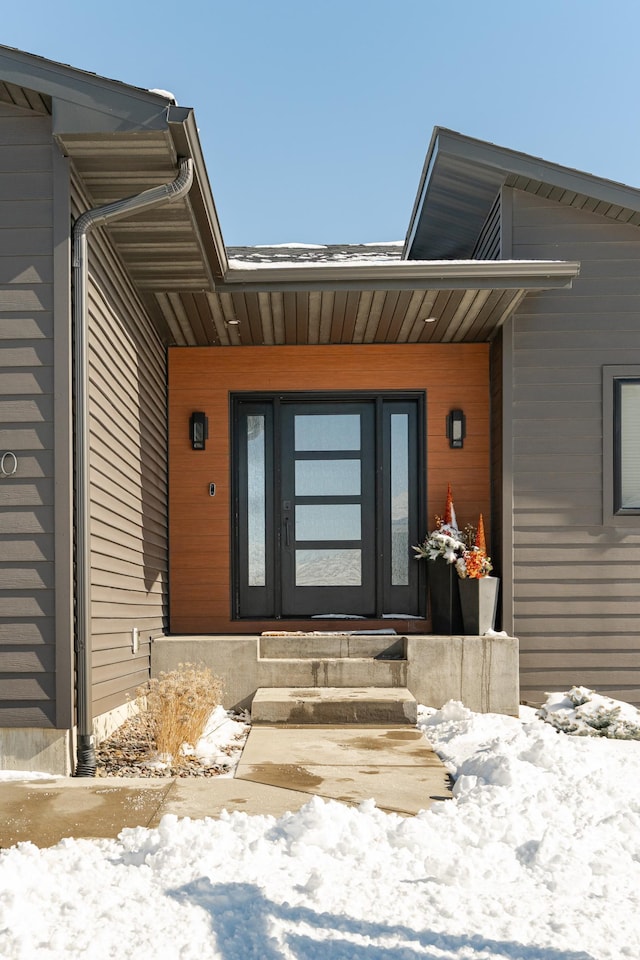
x: 536, y: 858
x: 27, y: 775
x: 584, y: 713
x: 223, y: 739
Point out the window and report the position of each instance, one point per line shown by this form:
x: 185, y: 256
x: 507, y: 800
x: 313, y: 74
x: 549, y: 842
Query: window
x: 627, y: 445
x: 621, y: 445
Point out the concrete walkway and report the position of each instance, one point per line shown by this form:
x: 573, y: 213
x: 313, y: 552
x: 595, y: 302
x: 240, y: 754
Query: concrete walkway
x: 281, y: 767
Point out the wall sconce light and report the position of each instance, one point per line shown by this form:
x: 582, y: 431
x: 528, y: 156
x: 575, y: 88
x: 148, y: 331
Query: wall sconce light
x: 198, y: 430
x: 456, y: 428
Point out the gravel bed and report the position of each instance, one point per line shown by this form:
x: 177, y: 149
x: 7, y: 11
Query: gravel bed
x: 130, y: 752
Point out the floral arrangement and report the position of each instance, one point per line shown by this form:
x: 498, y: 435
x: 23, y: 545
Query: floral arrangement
x: 474, y: 564
x: 466, y: 548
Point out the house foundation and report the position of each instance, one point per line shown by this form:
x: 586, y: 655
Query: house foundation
x: 39, y: 750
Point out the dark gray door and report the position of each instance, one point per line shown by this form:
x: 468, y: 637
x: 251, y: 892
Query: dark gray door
x: 328, y: 509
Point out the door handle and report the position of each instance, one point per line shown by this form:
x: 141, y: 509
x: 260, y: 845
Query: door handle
x: 287, y: 542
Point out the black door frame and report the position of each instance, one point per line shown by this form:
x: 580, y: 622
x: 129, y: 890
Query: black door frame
x: 249, y: 603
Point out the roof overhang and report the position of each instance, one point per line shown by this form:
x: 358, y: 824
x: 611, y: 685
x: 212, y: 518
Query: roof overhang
x: 399, y: 302
x: 123, y: 140
x: 462, y: 176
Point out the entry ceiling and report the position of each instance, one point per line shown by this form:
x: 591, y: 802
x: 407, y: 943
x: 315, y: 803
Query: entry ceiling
x: 328, y: 316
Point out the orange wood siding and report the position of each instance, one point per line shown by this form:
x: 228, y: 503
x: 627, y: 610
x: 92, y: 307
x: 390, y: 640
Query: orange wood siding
x: 202, y: 378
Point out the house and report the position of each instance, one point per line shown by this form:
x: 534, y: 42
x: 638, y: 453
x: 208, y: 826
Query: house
x: 170, y: 479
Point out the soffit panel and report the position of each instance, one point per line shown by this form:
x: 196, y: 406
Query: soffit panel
x: 159, y: 246
x: 457, y: 200
x: 614, y: 211
x: 329, y: 316
x: 24, y: 98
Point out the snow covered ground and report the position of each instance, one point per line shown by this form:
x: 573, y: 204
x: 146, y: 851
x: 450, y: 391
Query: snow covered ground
x: 536, y: 858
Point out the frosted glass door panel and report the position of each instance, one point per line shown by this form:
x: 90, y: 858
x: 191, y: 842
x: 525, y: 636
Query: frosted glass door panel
x: 400, y: 548
x: 328, y: 521
x: 328, y: 478
x: 256, y: 519
x: 340, y: 431
x: 328, y: 568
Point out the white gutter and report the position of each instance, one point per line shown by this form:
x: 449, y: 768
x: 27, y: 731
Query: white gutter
x: 86, y: 761
x: 401, y: 275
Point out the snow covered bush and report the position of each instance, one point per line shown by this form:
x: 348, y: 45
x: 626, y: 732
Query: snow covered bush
x: 179, y: 704
x: 583, y: 713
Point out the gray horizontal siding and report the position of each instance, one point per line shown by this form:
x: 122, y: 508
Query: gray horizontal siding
x: 26, y: 242
x: 128, y: 476
x: 21, y: 163
x: 27, y: 528
x: 30, y: 350
x: 29, y: 188
x: 26, y: 269
x: 32, y: 635
x: 576, y: 604
x: 21, y: 713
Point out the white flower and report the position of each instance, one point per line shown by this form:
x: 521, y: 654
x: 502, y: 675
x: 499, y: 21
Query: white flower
x: 461, y: 567
x: 444, y: 542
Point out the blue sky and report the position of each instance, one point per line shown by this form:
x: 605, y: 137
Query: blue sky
x: 315, y: 117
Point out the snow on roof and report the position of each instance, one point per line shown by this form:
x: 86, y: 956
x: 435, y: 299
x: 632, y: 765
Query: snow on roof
x: 164, y: 93
x: 291, y: 246
x: 287, y: 254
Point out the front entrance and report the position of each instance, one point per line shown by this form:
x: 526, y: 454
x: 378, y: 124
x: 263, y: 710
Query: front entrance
x: 327, y: 495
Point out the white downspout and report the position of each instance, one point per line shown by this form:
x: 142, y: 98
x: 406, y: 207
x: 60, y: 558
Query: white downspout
x: 86, y: 759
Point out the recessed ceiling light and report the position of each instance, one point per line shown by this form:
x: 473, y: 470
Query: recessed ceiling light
x: 233, y: 323
x: 429, y: 319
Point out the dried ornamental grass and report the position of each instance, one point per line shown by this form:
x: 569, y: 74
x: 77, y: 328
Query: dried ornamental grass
x: 179, y: 704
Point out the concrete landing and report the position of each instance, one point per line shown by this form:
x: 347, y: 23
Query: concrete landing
x: 392, y: 765
x: 280, y: 768
x: 482, y: 672
x: 333, y: 705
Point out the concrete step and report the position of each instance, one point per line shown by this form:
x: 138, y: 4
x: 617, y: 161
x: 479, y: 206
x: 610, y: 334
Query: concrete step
x: 326, y: 672
x: 332, y: 660
x: 327, y: 646
x: 333, y: 705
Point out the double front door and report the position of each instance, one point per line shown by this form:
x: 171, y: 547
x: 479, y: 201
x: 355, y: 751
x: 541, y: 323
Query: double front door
x: 326, y: 505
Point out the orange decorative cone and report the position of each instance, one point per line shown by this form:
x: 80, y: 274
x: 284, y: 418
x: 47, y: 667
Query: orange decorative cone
x: 449, y: 511
x: 481, y: 543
